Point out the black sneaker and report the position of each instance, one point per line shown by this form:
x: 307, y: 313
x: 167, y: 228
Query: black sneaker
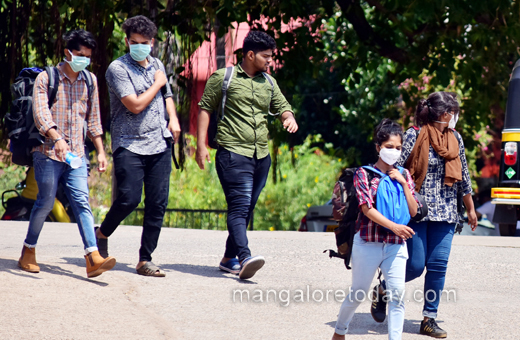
x: 378, y: 308
x: 430, y: 327
x: 102, y: 244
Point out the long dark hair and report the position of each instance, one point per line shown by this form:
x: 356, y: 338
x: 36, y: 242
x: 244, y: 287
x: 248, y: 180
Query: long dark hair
x: 429, y: 110
x: 386, y: 129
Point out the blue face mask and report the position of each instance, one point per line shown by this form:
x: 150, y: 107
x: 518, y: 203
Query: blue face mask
x: 78, y: 63
x: 139, y: 52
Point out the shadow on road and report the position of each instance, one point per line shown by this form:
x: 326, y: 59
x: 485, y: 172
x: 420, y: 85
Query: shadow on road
x: 363, y: 323
x: 80, y: 262
x: 206, y: 271
x: 11, y: 266
x: 56, y: 270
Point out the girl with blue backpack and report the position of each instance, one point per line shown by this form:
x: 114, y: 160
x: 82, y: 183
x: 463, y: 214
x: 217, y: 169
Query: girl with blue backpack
x: 434, y: 154
x: 380, y: 239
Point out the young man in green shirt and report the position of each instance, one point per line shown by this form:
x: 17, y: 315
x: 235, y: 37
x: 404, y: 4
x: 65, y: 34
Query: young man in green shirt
x: 243, y: 158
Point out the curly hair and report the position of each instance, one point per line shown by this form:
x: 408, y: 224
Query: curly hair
x: 429, y: 110
x: 77, y: 38
x: 139, y: 25
x: 386, y: 129
x: 258, y: 41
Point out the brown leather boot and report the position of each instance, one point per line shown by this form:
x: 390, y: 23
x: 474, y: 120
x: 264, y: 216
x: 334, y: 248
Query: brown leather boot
x: 96, y: 264
x: 27, y: 261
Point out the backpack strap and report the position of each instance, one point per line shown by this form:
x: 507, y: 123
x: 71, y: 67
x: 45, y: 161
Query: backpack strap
x: 90, y: 88
x: 268, y: 77
x: 225, y: 86
x: 157, y: 67
x: 164, y: 91
x: 53, y: 84
x: 374, y: 170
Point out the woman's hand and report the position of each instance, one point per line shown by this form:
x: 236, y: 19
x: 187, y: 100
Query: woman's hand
x: 403, y: 231
x: 472, y: 219
x: 395, y: 174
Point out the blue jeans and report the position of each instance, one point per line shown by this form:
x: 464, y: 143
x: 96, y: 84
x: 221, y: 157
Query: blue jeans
x: 366, y: 258
x: 48, y: 173
x: 430, y: 248
x: 132, y: 171
x: 242, y: 179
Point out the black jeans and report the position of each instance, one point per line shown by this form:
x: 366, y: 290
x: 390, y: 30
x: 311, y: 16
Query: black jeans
x: 242, y: 179
x: 132, y: 171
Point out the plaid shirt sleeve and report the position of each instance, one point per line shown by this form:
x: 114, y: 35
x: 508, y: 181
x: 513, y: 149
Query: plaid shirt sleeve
x: 410, y: 182
x: 94, y: 128
x: 362, y: 186
x: 42, y: 115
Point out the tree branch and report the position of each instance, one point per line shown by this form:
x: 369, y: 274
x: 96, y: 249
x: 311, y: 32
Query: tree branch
x: 354, y: 13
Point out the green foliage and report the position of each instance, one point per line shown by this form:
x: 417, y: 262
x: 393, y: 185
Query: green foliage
x: 308, y: 182
x: 307, y: 176
x: 344, y: 62
x: 11, y: 175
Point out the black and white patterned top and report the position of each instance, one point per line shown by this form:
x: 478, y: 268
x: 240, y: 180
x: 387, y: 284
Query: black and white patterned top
x: 144, y: 133
x: 441, y: 199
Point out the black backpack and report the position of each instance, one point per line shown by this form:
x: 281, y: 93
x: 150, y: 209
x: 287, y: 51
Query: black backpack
x: 345, y: 210
x: 214, y: 118
x: 19, y: 123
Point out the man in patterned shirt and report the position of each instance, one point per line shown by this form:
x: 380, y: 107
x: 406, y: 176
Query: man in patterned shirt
x: 141, y: 139
x: 62, y: 125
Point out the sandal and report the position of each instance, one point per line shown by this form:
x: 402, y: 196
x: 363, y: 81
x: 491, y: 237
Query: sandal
x: 150, y: 269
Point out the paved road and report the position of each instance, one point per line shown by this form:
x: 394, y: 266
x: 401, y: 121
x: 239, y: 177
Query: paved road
x: 196, y: 301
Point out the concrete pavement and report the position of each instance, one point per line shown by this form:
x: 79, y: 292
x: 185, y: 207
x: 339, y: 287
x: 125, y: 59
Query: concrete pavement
x: 293, y: 297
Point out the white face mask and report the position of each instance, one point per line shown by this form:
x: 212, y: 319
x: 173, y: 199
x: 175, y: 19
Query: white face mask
x: 453, y: 121
x: 389, y: 156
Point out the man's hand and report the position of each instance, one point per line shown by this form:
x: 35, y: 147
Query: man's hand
x: 202, y: 155
x: 289, y: 123
x: 102, y: 162
x: 160, y: 78
x: 60, y: 149
x: 175, y: 129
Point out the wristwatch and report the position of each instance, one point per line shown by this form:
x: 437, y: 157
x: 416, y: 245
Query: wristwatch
x: 57, y: 139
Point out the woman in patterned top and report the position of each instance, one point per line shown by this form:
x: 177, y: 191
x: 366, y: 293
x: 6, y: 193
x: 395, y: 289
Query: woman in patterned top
x: 435, y: 156
x: 379, y: 242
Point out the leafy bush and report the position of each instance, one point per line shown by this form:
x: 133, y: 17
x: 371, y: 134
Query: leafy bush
x: 306, y: 176
x: 11, y: 176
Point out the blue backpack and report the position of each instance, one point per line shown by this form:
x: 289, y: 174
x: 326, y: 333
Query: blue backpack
x: 390, y: 199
